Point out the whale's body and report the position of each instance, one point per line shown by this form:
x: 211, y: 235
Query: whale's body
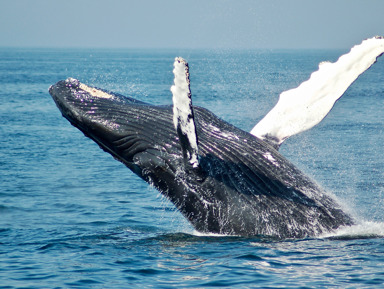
x: 222, y: 179
x: 243, y: 186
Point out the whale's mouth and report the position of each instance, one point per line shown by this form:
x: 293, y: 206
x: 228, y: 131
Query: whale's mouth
x: 122, y: 126
x: 87, y: 109
x: 110, y: 119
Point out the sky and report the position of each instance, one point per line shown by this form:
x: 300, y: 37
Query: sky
x: 212, y: 24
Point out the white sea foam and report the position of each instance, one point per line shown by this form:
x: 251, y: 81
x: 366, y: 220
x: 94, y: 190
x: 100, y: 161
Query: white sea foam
x: 364, y: 229
x: 200, y: 234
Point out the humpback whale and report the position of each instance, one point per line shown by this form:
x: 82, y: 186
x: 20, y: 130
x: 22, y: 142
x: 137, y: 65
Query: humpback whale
x: 222, y: 179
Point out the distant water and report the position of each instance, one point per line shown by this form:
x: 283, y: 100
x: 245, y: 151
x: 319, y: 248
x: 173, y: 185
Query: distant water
x: 73, y: 217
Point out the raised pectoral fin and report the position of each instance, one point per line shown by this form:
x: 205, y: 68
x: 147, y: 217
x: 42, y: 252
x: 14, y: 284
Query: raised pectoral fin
x: 183, y: 118
x: 302, y: 108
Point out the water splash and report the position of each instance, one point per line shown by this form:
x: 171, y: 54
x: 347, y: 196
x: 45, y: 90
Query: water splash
x: 363, y: 230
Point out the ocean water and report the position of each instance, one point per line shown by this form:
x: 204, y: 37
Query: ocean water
x: 73, y: 217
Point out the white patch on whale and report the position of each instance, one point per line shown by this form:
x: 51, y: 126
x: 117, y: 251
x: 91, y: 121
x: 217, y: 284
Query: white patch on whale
x: 304, y: 107
x: 182, y: 107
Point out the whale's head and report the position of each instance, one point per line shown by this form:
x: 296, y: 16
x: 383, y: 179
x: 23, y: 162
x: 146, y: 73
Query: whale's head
x: 132, y: 131
x: 94, y: 111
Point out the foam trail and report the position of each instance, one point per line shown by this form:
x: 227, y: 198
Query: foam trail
x: 200, y: 234
x: 302, y: 108
x: 365, y: 229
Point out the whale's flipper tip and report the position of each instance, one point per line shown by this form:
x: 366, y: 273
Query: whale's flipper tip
x: 183, y: 117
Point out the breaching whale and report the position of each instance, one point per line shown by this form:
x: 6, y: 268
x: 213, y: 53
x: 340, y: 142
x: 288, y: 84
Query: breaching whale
x: 222, y: 179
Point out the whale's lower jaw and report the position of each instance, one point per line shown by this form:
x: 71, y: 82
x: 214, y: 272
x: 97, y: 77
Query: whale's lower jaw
x: 242, y: 186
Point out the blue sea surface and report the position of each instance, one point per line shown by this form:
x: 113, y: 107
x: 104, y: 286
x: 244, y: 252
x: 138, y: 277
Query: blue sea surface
x: 73, y: 217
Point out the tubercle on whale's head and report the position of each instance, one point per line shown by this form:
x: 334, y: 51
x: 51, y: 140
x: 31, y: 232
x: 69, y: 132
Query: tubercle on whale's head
x: 72, y: 82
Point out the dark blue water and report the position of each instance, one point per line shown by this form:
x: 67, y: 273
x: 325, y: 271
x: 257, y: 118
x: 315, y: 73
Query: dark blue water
x: 73, y: 217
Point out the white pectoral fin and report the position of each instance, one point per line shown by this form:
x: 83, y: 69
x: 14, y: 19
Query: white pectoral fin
x: 183, y: 118
x: 302, y: 108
